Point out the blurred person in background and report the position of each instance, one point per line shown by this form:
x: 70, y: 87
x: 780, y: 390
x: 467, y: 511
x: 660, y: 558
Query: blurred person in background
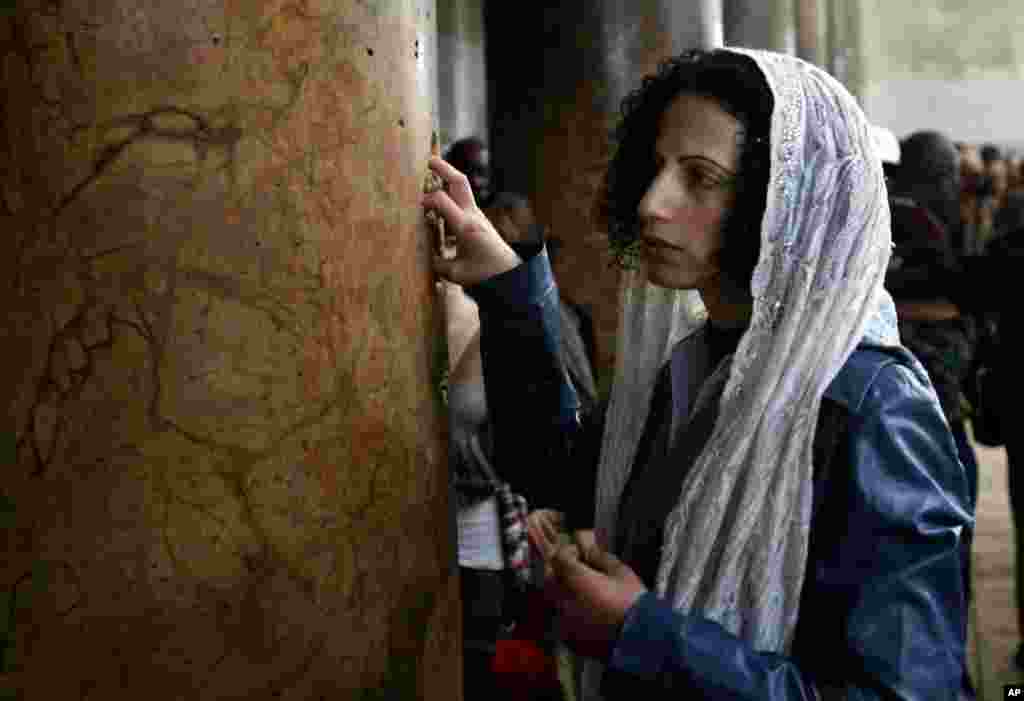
x: 929, y: 174
x: 513, y: 217
x: 501, y: 658
x: 977, y: 204
x: 990, y: 283
x: 989, y: 153
x: 923, y: 280
x: 482, y: 566
x: 1016, y: 176
x: 1010, y: 217
x: 472, y: 157
x: 997, y: 168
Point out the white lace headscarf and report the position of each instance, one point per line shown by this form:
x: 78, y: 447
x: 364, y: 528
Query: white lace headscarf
x: 818, y: 292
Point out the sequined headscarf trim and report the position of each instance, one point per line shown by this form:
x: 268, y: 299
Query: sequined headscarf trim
x: 818, y: 292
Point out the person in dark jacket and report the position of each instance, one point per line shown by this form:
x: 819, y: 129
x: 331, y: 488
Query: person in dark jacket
x: 471, y: 157
x: 922, y: 279
x: 984, y: 286
x: 778, y: 503
x: 514, y: 219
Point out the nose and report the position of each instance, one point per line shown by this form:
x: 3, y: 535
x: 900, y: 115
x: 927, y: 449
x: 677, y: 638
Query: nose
x: 661, y: 199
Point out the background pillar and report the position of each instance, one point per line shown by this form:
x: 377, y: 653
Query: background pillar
x: 760, y: 24
x: 845, y: 44
x: 224, y: 471
x: 462, y: 70
x: 812, y: 31
x: 558, y: 74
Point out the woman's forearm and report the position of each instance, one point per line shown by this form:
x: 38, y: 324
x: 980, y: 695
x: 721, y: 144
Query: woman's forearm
x: 531, y: 403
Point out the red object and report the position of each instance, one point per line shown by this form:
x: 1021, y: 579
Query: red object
x: 524, y: 659
x: 521, y: 665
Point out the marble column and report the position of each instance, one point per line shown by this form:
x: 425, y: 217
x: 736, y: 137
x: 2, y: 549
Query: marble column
x: 223, y: 448
x: 559, y: 73
x: 812, y: 31
x: 760, y: 24
x: 844, y: 43
x: 462, y: 70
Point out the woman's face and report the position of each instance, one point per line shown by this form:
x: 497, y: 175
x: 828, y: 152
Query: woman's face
x: 697, y: 155
x: 1000, y: 174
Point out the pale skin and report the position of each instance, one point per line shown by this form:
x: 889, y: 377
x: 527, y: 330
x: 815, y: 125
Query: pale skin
x: 697, y: 151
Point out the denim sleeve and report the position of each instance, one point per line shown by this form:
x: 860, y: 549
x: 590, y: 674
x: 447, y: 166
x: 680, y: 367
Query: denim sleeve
x: 532, y: 405
x: 895, y: 568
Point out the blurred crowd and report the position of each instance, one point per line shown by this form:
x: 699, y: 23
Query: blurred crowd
x: 991, y: 192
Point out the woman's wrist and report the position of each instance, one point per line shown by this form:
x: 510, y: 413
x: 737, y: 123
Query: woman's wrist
x: 509, y: 260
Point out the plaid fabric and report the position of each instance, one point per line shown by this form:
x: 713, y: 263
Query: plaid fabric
x: 513, y: 510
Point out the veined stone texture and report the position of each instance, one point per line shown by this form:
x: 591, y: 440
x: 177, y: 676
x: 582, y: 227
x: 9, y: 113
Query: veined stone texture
x: 225, y: 471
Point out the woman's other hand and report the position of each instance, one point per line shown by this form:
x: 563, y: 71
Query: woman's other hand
x: 594, y: 590
x: 481, y: 252
x: 543, y: 527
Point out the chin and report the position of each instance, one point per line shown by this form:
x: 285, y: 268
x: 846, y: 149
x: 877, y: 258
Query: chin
x: 672, y: 279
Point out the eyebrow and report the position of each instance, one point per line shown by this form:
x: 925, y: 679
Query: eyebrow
x: 698, y: 157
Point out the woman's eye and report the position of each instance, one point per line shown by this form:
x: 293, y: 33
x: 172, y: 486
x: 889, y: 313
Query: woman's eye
x: 703, y: 181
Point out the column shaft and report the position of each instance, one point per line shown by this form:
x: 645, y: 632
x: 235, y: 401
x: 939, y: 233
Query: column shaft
x: 225, y: 470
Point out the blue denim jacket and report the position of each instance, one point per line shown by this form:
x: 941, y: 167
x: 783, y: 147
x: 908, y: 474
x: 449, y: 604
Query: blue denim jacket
x: 883, y: 614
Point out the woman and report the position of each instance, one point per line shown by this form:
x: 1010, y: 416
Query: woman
x: 984, y: 284
x: 481, y: 561
x: 491, y: 605
x: 778, y: 484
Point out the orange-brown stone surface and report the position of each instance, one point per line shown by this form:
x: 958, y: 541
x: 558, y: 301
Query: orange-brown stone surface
x: 223, y: 454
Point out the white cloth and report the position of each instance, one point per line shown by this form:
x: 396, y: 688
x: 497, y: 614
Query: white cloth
x: 478, y: 522
x: 479, y: 536
x: 818, y: 292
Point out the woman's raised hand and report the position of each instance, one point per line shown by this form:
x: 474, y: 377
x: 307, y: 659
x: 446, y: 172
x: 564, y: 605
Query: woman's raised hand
x: 481, y: 252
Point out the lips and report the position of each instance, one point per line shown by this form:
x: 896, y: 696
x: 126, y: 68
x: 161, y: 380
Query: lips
x: 656, y: 248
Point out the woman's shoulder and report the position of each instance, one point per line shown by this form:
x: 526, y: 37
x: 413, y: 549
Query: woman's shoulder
x: 874, y: 375
x: 897, y: 438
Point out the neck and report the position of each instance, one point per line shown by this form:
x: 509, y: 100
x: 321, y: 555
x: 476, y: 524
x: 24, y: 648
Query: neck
x: 728, y: 307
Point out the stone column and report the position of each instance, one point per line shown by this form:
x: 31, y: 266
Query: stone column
x: 559, y: 74
x: 844, y: 35
x: 462, y: 70
x: 223, y: 452
x: 761, y: 24
x: 812, y: 31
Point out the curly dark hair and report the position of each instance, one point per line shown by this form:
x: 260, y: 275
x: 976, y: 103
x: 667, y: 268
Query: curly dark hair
x: 735, y: 82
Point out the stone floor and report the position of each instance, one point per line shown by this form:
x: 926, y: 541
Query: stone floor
x: 994, y: 637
